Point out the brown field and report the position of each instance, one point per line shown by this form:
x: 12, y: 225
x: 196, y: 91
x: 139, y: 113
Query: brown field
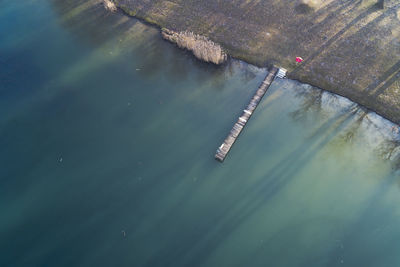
x: 351, y: 48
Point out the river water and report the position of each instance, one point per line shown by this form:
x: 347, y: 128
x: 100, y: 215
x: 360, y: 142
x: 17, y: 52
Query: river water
x: 107, y: 138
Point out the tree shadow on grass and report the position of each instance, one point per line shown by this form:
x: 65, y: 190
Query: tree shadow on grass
x: 389, y: 77
x: 340, y: 33
x: 331, y: 10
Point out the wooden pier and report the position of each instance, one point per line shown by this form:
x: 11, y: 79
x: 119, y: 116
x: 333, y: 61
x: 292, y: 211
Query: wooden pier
x: 223, y: 150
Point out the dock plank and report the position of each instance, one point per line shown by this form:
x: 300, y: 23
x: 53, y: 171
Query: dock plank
x: 238, y: 127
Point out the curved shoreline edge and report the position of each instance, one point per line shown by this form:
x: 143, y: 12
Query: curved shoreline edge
x: 355, y: 96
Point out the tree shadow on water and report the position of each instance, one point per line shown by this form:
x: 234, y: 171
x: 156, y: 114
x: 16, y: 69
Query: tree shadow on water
x: 358, y: 231
x: 312, y: 102
x: 252, y: 199
x: 89, y: 21
x: 349, y: 133
x: 387, y: 149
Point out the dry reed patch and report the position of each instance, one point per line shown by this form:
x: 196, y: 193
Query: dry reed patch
x: 109, y: 5
x: 202, y: 47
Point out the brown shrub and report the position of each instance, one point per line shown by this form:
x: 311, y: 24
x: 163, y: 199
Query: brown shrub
x: 109, y: 5
x: 202, y: 47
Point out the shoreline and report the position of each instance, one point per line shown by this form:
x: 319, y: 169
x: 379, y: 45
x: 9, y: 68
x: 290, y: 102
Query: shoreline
x: 355, y: 96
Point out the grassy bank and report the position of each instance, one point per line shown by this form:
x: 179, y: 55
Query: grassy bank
x: 351, y: 48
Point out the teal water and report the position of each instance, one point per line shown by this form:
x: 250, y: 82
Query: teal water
x: 107, y: 138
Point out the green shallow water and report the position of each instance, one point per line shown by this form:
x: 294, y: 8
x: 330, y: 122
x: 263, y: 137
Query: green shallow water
x: 107, y: 138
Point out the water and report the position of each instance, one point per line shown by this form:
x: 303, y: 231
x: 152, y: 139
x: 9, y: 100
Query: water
x: 107, y: 138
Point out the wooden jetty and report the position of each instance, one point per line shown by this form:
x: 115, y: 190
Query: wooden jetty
x: 223, y: 150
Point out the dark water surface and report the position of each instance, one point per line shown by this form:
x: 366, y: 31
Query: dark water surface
x: 107, y: 138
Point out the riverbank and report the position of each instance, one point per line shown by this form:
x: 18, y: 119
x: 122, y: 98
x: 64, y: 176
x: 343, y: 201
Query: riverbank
x: 107, y: 140
x: 350, y: 48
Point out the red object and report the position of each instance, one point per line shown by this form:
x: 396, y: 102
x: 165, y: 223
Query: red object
x: 299, y: 59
